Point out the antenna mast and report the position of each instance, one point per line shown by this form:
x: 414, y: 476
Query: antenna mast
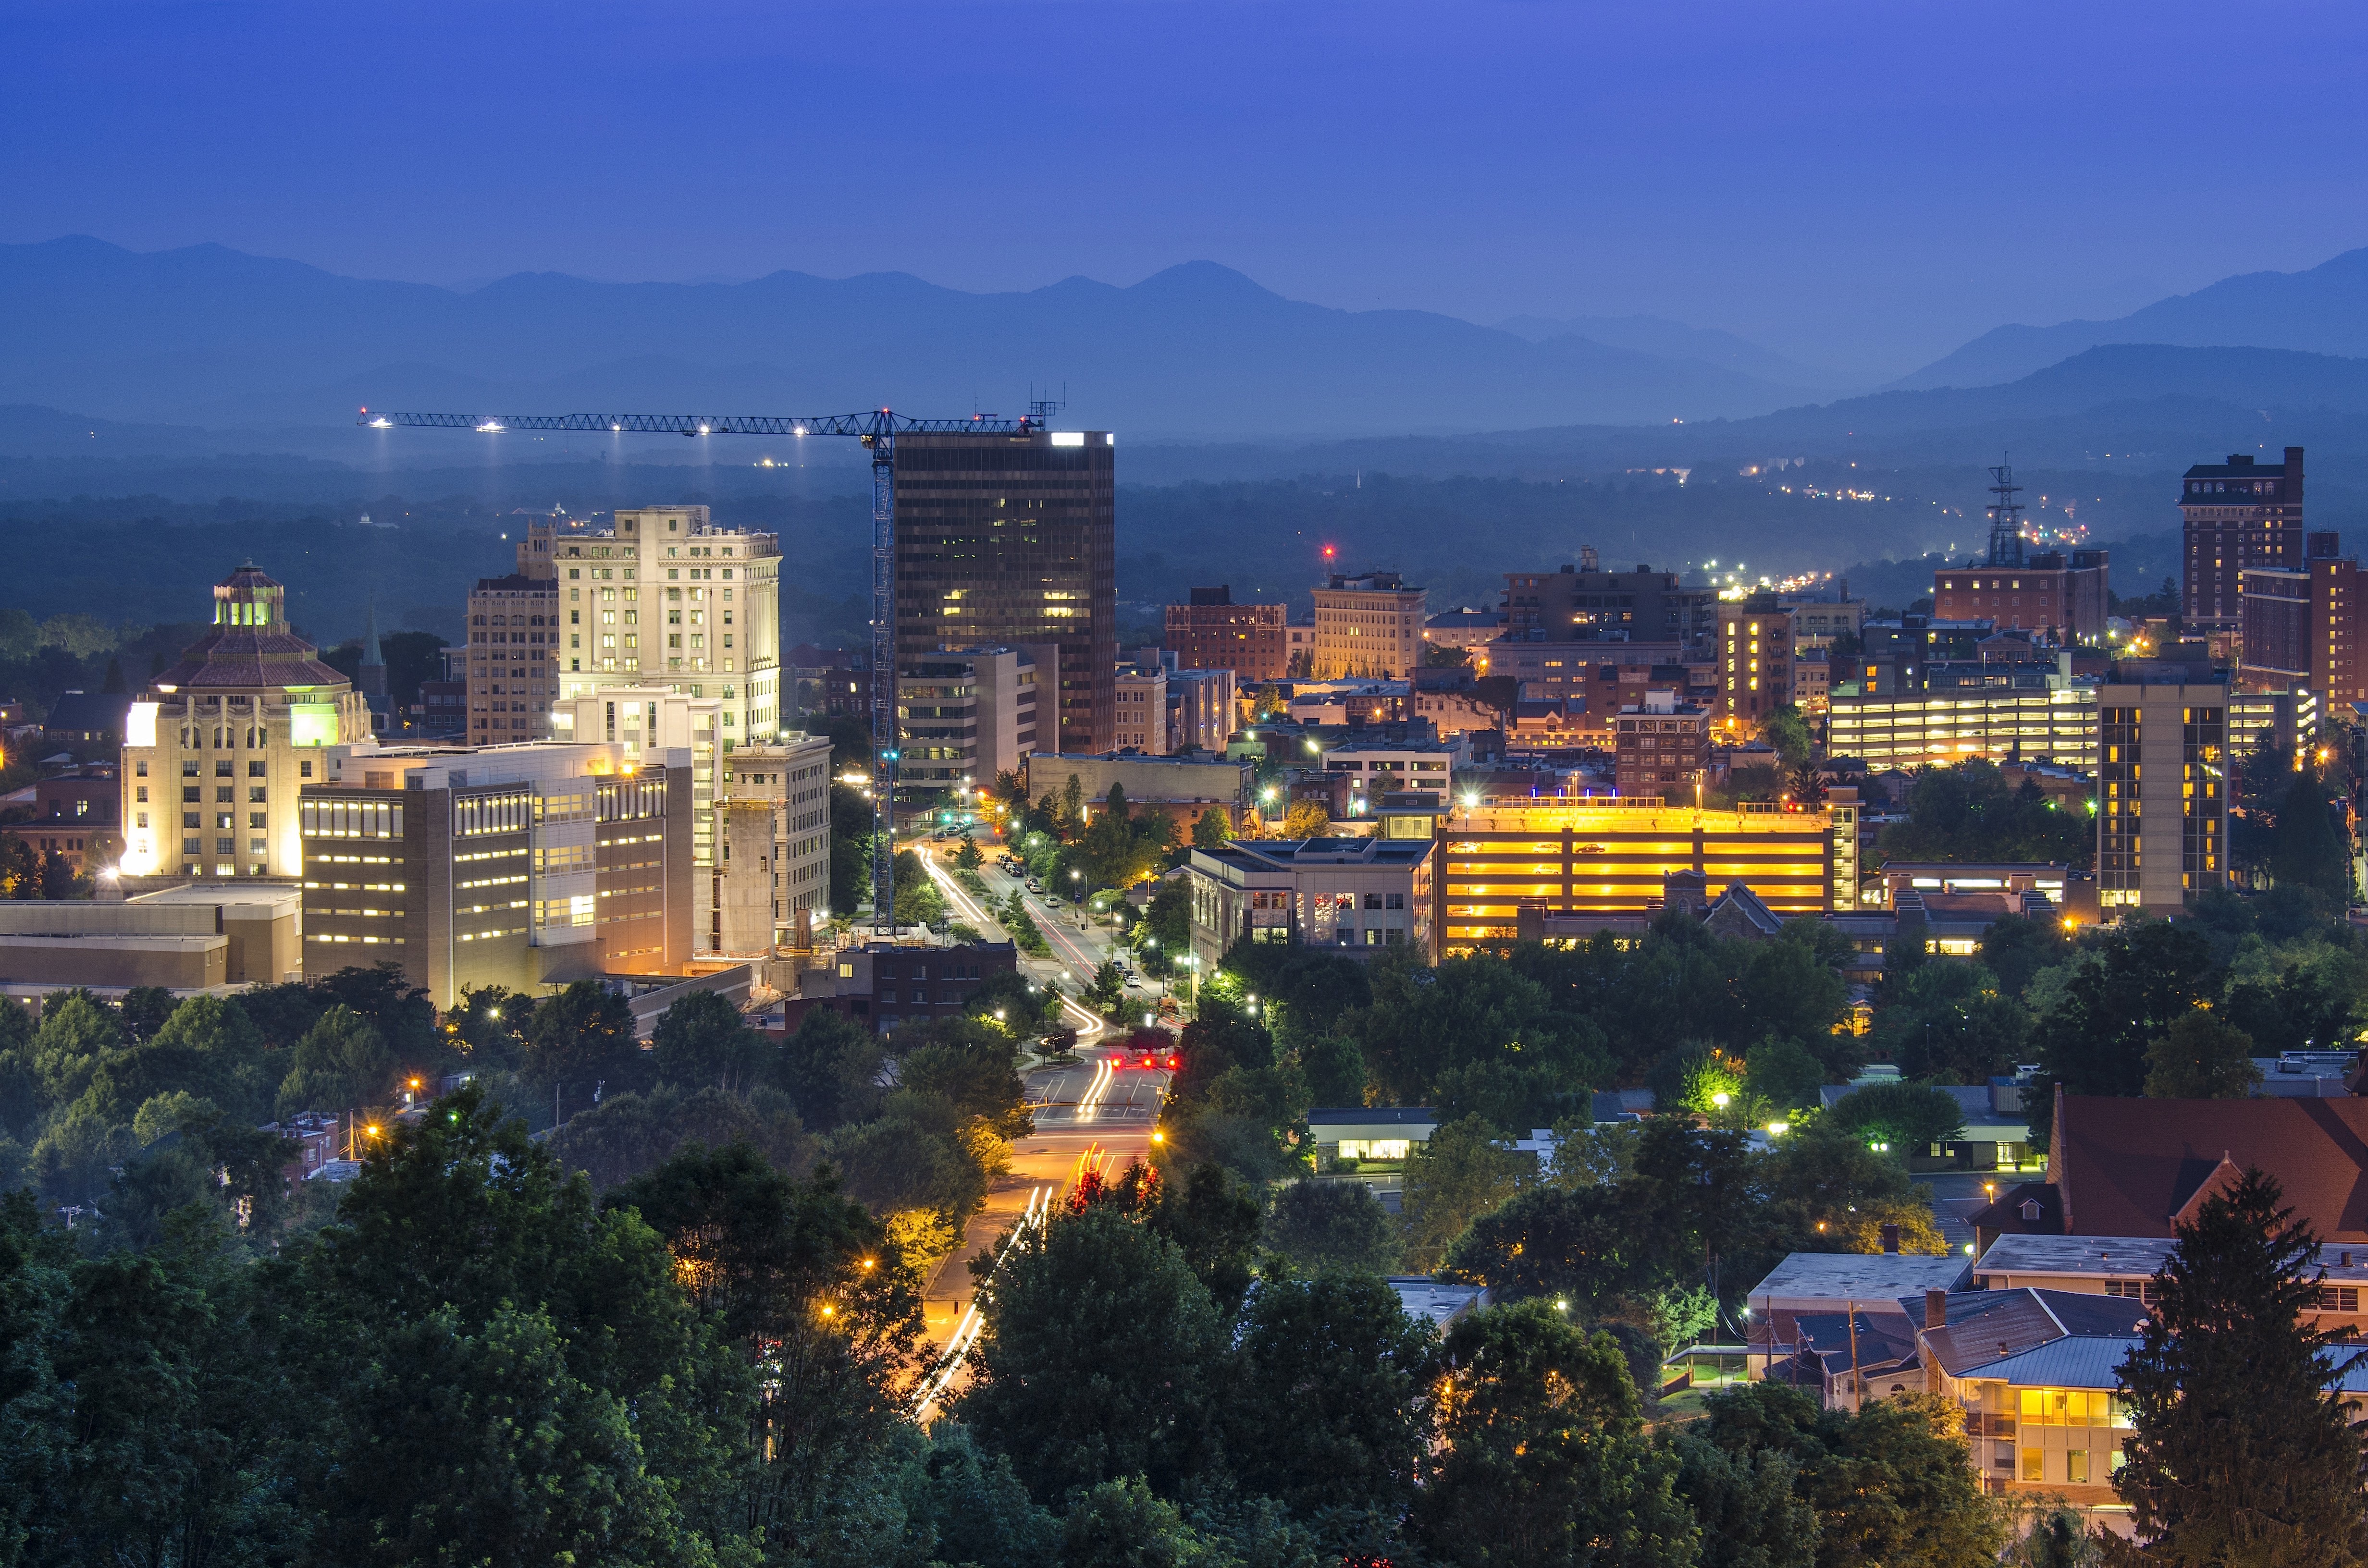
x: 2006, y: 517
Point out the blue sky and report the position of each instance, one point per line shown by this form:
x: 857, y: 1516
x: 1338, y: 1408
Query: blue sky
x: 1861, y: 185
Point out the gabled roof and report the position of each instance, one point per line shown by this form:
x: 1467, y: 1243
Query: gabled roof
x: 1986, y: 1327
x: 2128, y: 1167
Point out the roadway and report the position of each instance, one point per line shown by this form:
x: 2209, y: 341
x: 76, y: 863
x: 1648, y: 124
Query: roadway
x: 1092, y: 1113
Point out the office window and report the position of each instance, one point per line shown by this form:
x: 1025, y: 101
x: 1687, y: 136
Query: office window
x: 2035, y: 1464
x: 2075, y: 1467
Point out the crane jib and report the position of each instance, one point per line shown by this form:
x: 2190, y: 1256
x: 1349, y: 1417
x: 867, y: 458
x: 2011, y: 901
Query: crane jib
x: 879, y: 429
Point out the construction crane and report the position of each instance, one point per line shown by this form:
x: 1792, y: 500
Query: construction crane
x: 877, y: 430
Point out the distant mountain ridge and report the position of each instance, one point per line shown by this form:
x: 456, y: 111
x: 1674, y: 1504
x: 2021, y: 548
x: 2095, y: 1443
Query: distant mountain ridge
x: 208, y: 335
x: 1676, y: 340
x: 2323, y: 310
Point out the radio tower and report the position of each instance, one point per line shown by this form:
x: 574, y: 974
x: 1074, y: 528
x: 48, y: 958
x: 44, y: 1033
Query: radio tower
x: 2006, y: 518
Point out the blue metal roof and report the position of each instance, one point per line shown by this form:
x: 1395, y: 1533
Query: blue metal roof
x: 2075, y: 1361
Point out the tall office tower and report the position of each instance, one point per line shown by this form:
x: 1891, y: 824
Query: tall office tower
x: 522, y: 866
x: 664, y: 597
x: 1009, y: 539
x: 1212, y: 632
x: 2162, y: 798
x: 2238, y: 513
x: 216, y: 748
x: 513, y: 659
x: 1586, y: 603
x: 1368, y: 624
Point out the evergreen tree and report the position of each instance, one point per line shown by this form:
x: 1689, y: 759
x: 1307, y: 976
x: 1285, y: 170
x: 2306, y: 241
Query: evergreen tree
x: 2308, y: 853
x: 2240, y: 1451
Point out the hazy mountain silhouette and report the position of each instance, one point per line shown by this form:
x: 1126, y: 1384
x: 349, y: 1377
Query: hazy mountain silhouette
x: 2322, y: 311
x: 210, y: 336
x: 1676, y: 340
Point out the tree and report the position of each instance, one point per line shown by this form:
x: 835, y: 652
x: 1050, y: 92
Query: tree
x: 968, y: 856
x: 808, y: 1289
x: 1966, y: 812
x: 583, y: 1038
x: 1123, y: 1524
x: 919, y: 901
x: 829, y: 1067
x: 2240, y: 1448
x: 2303, y: 1009
x: 1542, y: 1462
x: 1745, y: 1505
x: 2202, y: 1057
x: 1783, y: 1072
x: 342, y: 1063
x: 2015, y: 946
x: 1334, y: 1225
x: 2308, y: 853
x: 1890, y: 1485
x: 1331, y: 1405
x: 1060, y: 1384
x: 2094, y: 1040
x: 1307, y: 819
x: 704, y: 1040
x: 1212, y: 1220
x: 850, y: 847
x: 1785, y: 730
x: 1212, y: 829
x: 1461, y: 1174
x: 501, y: 1368
x: 1826, y: 1192
x: 1906, y: 1117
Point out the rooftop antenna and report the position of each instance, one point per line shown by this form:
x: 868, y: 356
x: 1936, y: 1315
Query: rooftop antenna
x: 2006, y: 517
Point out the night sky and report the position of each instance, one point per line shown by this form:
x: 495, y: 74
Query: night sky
x: 1862, y: 185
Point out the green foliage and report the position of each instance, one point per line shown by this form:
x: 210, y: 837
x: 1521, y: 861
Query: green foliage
x: 1461, y: 1174
x: 1331, y: 1406
x: 1474, y: 1037
x: 829, y: 1067
x: 1783, y: 1073
x: 1212, y: 829
x: 1949, y: 1019
x: 968, y: 856
x: 1826, y: 1192
x: 851, y: 846
x: 583, y: 1037
x: 1062, y: 1382
x: 1544, y: 1462
x: 919, y: 901
x: 1332, y: 1225
x: 2015, y: 947
x: 2309, y: 852
x: 2240, y: 1450
x: 1907, y: 1118
x: 1122, y: 1524
x: 342, y: 1062
x: 627, y: 1134
x: 702, y: 1040
x: 2305, y: 1007
x: 1966, y: 812
x: 1890, y: 1487
x: 1746, y: 1504
x: 1787, y: 732
x: 2093, y: 1037
x: 2202, y: 1057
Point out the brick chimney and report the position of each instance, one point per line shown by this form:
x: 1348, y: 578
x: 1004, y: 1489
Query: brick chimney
x: 1891, y: 1241
x: 1936, y: 1309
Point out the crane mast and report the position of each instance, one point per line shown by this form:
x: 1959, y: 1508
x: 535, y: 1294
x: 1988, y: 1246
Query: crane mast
x: 877, y: 430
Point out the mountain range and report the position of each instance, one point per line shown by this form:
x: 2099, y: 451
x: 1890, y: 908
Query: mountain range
x: 209, y: 337
x: 2323, y: 311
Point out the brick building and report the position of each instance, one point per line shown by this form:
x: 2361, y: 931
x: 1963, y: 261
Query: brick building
x: 1211, y: 632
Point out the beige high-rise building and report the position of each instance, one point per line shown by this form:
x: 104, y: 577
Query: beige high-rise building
x: 664, y: 597
x: 1367, y: 625
x: 513, y: 654
x: 217, y: 747
x: 2162, y: 796
x: 1143, y: 710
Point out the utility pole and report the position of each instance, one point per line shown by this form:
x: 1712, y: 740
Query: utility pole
x: 1856, y: 1396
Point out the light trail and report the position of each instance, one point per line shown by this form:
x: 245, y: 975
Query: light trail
x: 974, y: 1322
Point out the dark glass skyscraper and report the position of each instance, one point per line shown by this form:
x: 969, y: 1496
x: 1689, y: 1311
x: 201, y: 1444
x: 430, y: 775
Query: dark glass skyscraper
x: 1010, y: 540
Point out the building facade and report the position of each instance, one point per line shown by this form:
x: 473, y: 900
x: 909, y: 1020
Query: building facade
x: 1661, y: 745
x: 663, y: 598
x: 2059, y: 597
x: 525, y: 866
x: 1359, y: 896
x: 1368, y: 624
x: 772, y: 880
x: 965, y: 716
x: 2237, y: 515
x: 1201, y: 708
x: 1584, y: 602
x: 2050, y: 721
x: 2302, y: 625
x: 1142, y: 705
x: 216, y: 749
x: 2162, y: 798
x: 1614, y: 856
x: 1755, y: 660
x: 1211, y: 632
x: 514, y: 659
x: 1008, y: 540
x: 77, y: 816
